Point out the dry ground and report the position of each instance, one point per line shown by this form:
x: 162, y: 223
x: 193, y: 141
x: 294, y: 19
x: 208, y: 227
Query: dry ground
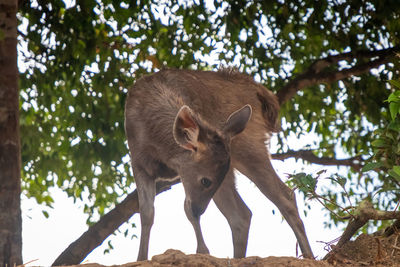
x: 366, y: 250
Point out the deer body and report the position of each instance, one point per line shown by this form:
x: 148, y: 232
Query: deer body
x: 201, y: 126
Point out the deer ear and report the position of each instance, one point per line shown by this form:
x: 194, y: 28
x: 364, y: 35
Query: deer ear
x: 237, y: 121
x: 186, y: 129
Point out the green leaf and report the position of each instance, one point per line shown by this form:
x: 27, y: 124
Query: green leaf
x: 394, y: 174
x: 45, y: 213
x: 304, y: 182
x: 371, y: 166
x: 394, y: 97
x: 395, y: 83
x: 396, y: 169
x: 395, y: 126
x: 379, y: 143
x: 394, y: 108
x: 342, y: 181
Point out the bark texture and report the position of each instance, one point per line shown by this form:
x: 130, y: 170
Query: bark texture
x: 10, y: 162
x: 308, y: 155
x: 319, y: 73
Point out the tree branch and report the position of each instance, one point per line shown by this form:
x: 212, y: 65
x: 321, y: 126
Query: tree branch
x: 364, y: 212
x: 97, y: 233
x: 315, y: 74
x: 308, y: 155
x: 323, y: 63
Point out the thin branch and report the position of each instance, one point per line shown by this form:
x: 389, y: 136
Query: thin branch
x: 345, y: 191
x: 326, y: 207
x: 397, y: 206
x: 308, y: 155
x: 323, y: 63
x: 319, y: 197
x: 363, y: 213
x: 315, y: 74
x: 395, y: 227
x: 22, y: 34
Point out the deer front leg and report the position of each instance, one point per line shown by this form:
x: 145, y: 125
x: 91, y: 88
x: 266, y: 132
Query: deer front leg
x: 195, y: 221
x: 146, y: 192
x: 236, y: 212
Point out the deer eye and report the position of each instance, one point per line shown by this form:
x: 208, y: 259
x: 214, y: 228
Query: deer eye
x: 205, y: 182
x: 218, y: 141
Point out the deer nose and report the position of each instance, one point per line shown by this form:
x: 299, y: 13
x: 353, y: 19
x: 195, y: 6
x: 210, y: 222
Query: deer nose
x: 196, y: 209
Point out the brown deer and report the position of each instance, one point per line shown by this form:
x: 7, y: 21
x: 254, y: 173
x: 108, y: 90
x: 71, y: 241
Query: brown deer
x: 200, y: 126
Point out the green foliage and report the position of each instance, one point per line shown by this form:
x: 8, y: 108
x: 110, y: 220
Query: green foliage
x: 307, y: 184
x: 81, y: 59
x: 386, y: 147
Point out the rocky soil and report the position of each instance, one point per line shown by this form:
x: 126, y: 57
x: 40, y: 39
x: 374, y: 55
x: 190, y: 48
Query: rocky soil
x: 366, y: 250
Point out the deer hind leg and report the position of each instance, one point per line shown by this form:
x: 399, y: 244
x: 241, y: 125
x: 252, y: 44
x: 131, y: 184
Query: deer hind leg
x: 146, y: 189
x: 253, y: 161
x: 231, y: 205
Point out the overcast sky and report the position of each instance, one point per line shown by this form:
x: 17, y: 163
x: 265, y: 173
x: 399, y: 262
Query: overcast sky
x: 44, y: 239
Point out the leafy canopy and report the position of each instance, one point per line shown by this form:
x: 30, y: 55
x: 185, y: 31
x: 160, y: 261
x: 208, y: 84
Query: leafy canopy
x: 80, y: 59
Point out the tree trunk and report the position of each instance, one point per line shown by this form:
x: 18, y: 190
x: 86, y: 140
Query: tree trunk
x: 10, y: 161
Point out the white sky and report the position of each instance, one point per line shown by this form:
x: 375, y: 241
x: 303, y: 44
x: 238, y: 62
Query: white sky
x: 44, y: 239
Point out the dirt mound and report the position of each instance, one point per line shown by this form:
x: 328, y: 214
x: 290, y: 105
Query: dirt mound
x: 366, y: 250
x: 177, y: 258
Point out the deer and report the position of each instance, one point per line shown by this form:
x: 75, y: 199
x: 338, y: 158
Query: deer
x: 200, y: 126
